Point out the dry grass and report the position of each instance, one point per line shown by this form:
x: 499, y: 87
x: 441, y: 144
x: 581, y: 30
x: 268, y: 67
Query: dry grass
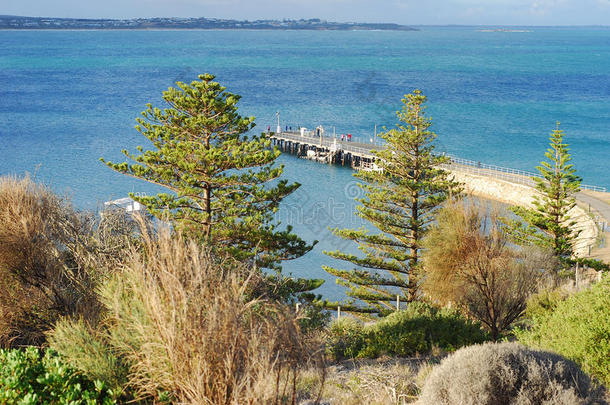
x: 51, y: 259
x: 368, y: 382
x: 180, y: 320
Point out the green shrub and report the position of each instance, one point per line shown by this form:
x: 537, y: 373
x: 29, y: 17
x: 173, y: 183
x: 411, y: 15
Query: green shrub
x: 508, y: 373
x: 416, y: 330
x: 577, y: 328
x: 543, y: 303
x: 346, y: 338
x: 31, y: 377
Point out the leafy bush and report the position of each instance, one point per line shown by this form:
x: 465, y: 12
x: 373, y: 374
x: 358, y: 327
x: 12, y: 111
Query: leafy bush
x: 416, y: 330
x: 346, y: 338
x: 29, y: 377
x: 577, y: 328
x: 543, y: 303
x: 508, y: 373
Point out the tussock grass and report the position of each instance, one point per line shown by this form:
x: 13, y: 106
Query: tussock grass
x: 181, y: 321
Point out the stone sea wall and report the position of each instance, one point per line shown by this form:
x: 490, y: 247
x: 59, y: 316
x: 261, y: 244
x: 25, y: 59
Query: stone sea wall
x: 521, y: 195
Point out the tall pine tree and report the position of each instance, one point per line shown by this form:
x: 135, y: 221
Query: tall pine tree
x: 217, y: 175
x: 548, y: 223
x: 400, y: 201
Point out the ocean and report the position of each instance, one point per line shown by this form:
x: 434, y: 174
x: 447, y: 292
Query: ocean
x: 68, y: 98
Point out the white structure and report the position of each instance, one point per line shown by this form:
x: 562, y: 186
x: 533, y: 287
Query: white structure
x: 334, y: 147
x: 128, y: 204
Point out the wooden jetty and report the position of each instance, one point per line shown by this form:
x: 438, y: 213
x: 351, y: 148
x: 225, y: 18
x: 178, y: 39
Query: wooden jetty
x: 324, y: 149
x: 316, y: 146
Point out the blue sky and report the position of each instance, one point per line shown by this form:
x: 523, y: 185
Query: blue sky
x: 414, y: 12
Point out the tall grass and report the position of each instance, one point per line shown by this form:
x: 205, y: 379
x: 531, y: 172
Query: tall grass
x: 181, y: 321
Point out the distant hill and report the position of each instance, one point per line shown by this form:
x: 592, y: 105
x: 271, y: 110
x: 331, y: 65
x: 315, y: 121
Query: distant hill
x: 18, y: 22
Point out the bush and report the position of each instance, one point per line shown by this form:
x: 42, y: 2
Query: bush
x: 469, y: 262
x: 346, y: 338
x: 416, y: 330
x: 577, y: 328
x: 29, y: 377
x: 51, y: 260
x: 179, y: 320
x: 543, y: 303
x: 508, y: 373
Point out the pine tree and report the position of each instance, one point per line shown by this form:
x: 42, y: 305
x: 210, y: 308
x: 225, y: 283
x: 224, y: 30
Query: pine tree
x: 400, y: 201
x: 548, y: 223
x: 216, y: 174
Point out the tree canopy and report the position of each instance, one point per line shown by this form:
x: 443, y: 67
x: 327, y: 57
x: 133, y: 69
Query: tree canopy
x: 217, y: 175
x: 400, y: 200
x: 548, y: 222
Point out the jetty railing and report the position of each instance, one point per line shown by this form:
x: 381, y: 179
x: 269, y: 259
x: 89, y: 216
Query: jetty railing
x: 325, y: 142
x: 464, y: 165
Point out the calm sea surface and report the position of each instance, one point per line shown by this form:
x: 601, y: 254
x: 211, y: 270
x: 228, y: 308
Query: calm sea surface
x: 69, y: 97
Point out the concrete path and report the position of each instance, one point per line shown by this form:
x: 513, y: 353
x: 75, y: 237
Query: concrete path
x: 599, y: 205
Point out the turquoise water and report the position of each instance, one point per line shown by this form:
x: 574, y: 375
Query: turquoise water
x: 69, y: 97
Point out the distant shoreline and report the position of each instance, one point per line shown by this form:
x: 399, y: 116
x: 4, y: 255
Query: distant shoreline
x: 14, y: 23
x: 192, y: 29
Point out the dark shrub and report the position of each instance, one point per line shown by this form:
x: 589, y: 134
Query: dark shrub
x: 345, y: 339
x: 52, y: 258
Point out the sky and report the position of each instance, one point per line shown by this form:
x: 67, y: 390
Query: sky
x: 408, y: 12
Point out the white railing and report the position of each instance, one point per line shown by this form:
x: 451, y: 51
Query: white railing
x: 465, y: 165
x: 504, y: 173
x: 310, y: 138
